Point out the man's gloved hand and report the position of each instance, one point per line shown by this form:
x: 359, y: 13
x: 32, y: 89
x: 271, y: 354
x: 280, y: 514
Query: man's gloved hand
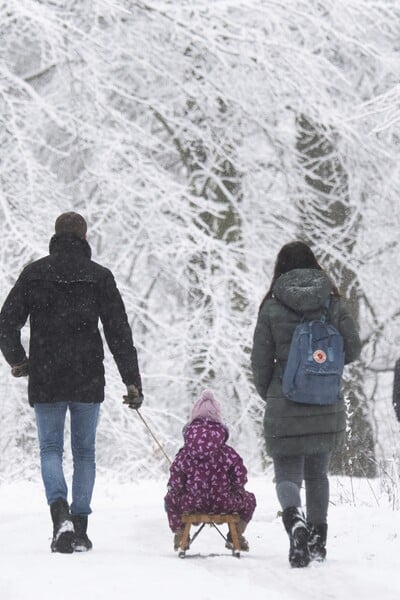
x: 21, y: 370
x: 134, y: 398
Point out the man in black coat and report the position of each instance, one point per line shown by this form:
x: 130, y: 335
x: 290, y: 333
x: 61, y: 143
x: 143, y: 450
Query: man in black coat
x: 64, y: 295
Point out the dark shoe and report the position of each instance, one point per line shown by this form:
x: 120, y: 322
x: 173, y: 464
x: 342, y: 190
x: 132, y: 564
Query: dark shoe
x: 296, y: 527
x: 317, y: 541
x: 63, y: 528
x: 81, y: 543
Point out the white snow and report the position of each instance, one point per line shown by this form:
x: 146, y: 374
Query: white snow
x: 133, y: 555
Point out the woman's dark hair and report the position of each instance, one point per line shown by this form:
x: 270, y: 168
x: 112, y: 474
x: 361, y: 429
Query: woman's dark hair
x: 294, y: 255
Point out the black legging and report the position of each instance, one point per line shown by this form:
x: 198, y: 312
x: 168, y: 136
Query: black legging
x: 290, y: 471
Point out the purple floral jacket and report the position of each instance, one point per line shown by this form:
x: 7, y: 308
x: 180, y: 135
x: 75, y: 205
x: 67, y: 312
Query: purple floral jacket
x: 207, y: 474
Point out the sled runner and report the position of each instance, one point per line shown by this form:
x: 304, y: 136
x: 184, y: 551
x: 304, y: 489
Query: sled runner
x: 213, y: 520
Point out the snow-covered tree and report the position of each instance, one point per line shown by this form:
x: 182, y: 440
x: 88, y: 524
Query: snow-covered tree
x: 173, y: 127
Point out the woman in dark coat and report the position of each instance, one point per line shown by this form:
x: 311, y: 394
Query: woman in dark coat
x: 300, y: 438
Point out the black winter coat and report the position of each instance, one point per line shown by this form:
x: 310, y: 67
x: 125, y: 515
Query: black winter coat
x: 292, y: 428
x: 65, y: 294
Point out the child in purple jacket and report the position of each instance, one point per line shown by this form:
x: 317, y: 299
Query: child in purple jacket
x: 207, y: 475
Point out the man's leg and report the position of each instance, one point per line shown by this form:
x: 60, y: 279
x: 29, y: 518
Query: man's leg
x: 84, y: 419
x: 50, y: 420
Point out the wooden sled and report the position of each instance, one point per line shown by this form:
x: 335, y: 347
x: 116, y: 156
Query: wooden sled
x: 213, y: 520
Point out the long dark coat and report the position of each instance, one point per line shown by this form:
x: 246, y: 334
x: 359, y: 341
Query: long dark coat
x: 64, y: 295
x: 292, y: 428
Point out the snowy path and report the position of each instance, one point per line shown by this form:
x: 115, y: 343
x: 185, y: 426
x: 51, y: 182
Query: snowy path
x: 133, y: 557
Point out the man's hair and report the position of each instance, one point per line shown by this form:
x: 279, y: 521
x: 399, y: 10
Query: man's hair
x: 71, y: 222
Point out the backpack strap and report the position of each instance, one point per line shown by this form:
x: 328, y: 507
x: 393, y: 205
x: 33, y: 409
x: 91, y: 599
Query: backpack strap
x: 325, y: 316
x: 302, y: 318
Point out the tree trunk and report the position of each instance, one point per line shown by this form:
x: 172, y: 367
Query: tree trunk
x: 329, y: 223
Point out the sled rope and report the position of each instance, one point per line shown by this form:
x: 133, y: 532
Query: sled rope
x: 154, y: 437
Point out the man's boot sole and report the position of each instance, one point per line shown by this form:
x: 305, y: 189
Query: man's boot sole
x: 64, y: 544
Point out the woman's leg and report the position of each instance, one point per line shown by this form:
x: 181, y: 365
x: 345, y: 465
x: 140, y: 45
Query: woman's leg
x: 317, y: 487
x: 317, y: 498
x: 288, y: 480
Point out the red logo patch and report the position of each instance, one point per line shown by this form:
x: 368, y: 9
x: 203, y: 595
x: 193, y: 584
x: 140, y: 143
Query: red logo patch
x: 319, y: 356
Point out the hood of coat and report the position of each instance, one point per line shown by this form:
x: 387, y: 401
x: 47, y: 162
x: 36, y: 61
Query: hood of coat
x: 303, y: 290
x: 68, y: 243
x: 204, y: 438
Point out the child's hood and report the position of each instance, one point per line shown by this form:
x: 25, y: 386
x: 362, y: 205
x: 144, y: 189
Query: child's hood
x: 204, y: 437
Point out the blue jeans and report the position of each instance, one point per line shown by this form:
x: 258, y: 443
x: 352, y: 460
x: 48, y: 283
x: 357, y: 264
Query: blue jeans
x: 50, y: 421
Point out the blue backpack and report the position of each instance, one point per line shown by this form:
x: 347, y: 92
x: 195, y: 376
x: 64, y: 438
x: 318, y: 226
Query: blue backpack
x: 313, y: 372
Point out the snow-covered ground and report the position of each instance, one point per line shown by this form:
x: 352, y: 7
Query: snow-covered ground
x: 133, y: 556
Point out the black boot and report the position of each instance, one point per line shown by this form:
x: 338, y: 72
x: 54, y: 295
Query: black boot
x: 82, y: 542
x: 317, y: 541
x: 296, y: 527
x: 63, y: 529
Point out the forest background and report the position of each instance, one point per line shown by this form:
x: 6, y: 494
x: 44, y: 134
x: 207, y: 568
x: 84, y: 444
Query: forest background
x: 196, y: 138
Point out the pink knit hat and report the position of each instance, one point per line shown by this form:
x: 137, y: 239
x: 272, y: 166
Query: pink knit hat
x: 206, y: 407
